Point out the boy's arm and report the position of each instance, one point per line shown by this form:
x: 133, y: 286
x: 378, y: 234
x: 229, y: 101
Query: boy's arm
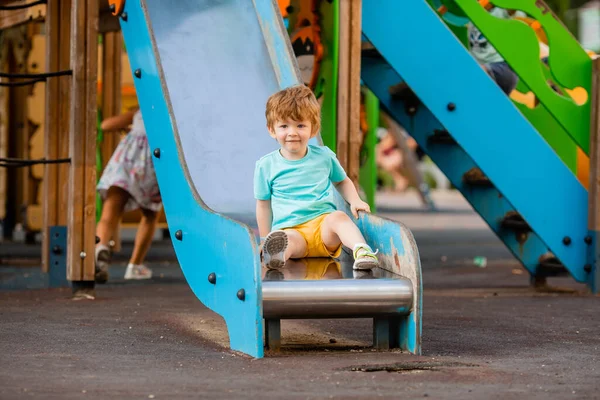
x: 264, y: 217
x: 349, y: 193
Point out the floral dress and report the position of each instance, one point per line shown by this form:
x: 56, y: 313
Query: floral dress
x: 131, y: 169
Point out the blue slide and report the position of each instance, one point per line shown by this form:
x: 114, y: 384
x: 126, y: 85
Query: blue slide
x: 203, y: 71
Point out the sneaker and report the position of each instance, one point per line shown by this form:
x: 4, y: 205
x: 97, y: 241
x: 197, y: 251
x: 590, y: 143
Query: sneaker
x: 364, y: 257
x: 102, y: 263
x: 274, y: 248
x: 137, y: 272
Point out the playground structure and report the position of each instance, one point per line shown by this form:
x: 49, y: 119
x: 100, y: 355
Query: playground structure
x: 544, y: 237
x: 24, y: 116
x: 533, y: 157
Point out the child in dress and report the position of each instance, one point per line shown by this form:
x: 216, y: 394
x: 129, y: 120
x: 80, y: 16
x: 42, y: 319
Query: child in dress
x: 127, y: 183
x: 294, y: 188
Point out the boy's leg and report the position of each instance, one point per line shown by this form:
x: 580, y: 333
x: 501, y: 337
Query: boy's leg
x: 280, y: 246
x: 296, y: 245
x: 503, y: 75
x: 339, y: 228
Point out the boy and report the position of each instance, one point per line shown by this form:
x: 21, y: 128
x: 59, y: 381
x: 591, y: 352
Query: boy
x: 293, y: 186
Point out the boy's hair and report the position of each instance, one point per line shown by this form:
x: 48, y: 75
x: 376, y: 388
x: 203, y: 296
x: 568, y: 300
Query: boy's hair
x: 296, y: 102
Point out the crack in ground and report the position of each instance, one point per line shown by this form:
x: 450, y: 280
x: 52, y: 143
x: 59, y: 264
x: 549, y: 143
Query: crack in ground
x: 406, y: 366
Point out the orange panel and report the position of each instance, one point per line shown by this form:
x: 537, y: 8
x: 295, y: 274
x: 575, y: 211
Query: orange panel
x: 118, y: 6
x: 583, y: 168
x: 283, y: 5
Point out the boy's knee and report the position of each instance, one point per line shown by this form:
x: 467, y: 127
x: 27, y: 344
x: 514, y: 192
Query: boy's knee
x: 337, y: 216
x: 293, y: 235
x: 295, y: 238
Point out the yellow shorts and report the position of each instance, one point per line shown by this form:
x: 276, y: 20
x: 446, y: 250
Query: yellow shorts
x: 311, y: 232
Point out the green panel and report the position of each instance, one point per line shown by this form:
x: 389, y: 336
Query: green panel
x: 327, y: 84
x: 570, y: 65
x: 553, y: 133
x: 368, y: 166
x: 453, y: 8
x: 461, y: 33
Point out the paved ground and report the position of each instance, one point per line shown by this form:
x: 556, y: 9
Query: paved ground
x: 485, y: 335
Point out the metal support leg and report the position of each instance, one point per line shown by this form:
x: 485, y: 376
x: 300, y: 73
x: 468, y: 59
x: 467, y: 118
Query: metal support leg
x: 381, y: 333
x: 273, y: 334
x: 395, y: 333
x: 57, y: 268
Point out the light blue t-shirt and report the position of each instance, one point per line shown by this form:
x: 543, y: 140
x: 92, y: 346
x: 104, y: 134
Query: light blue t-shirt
x: 299, y: 190
x: 480, y: 47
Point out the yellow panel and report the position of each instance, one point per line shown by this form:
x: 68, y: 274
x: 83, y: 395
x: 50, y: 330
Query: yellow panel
x: 34, y: 218
x: 36, y: 103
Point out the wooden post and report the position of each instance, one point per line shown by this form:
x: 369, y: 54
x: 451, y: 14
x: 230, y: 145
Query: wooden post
x: 20, y: 16
x: 356, y: 136
x: 18, y: 131
x: 82, y: 141
x: 349, y: 134
x: 3, y: 128
x: 111, y: 100
x: 594, y: 188
x: 343, y: 84
x: 56, y: 140
x: 111, y: 87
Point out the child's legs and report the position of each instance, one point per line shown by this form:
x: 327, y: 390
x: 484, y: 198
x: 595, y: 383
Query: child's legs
x: 338, y: 228
x: 297, y: 247
x: 504, y: 76
x: 143, y: 237
x: 112, y: 210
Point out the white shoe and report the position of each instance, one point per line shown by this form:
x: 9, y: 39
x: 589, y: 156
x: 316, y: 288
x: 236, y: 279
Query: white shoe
x: 138, y: 272
x: 364, y: 257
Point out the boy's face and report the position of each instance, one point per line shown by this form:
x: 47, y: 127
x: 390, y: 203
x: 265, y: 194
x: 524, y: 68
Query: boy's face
x: 292, y: 136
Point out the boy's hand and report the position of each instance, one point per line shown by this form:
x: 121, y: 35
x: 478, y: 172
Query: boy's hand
x: 357, y: 206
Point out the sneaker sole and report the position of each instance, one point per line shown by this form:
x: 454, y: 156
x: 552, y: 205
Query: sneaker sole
x: 102, y: 263
x: 365, y: 265
x: 274, y: 249
x: 101, y: 276
x: 138, y: 278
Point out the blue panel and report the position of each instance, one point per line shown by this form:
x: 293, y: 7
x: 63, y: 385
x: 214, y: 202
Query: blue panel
x: 210, y: 243
x: 453, y: 160
x: 57, y: 268
x: 282, y: 55
x: 485, y: 123
x: 399, y: 254
x: 594, y: 262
